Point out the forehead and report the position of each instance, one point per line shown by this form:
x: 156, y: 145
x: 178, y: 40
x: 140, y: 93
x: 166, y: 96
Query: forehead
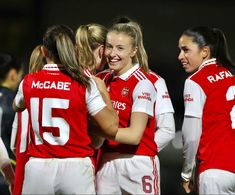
x: 186, y: 41
x: 118, y: 38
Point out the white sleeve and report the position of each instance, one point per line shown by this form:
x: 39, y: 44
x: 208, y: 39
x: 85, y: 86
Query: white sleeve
x: 4, y: 158
x: 191, y: 133
x: 194, y: 99
x: 94, y: 100
x: 19, y: 98
x: 165, y: 130
x: 14, y: 133
x: 144, y: 96
x: 163, y: 101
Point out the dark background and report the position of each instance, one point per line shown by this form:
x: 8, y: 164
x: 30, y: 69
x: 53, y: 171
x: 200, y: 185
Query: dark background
x: 23, y: 22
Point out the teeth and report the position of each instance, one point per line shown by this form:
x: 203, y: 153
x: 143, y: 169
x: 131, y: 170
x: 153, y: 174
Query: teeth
x: 113, y: 60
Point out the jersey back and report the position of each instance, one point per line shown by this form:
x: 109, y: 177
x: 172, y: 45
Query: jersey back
x: 58, y: 115
x: 217, y: 143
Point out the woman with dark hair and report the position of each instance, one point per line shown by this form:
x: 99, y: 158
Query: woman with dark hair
x: 209, y: 124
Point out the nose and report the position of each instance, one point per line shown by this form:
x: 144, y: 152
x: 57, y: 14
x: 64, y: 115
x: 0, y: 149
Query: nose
x: 180, y: 56
x: 112, y: 53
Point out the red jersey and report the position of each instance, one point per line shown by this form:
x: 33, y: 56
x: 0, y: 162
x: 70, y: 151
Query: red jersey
x: 21, y: 124
x: 215, y: 105
x: 58, y: 107
x: 131, y: 92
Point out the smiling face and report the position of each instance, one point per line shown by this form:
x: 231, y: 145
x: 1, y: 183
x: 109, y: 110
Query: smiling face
x: 119, y: 52
x: 191, y: 56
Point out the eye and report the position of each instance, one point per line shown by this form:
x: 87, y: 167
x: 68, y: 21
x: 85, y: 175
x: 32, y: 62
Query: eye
x: 120, y: 48
x: 185, y: 49
x: 108, y: 46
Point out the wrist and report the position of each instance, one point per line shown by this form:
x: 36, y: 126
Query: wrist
x: 185, y: 178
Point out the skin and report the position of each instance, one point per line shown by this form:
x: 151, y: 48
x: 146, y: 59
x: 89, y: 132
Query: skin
x: 99, y: 58
x: 191, y: 56
x: 12, y: 80
x: 119, y: 52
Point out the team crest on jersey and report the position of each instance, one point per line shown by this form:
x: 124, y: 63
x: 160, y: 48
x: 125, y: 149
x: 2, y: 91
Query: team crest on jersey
x: 125, y: 91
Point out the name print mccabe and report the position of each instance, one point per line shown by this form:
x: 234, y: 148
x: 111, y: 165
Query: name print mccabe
x: 51, y: 85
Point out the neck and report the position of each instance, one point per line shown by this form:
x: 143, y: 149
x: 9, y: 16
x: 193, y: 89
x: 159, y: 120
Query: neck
x: 7, y: 85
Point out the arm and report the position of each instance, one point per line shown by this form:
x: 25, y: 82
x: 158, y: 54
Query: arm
x: 6, y: 167
x: 14, y: 134
x: 164, y: 112
x: 101, y: 110
x: 194, y: 99
x: 104, y: 93
x: 96, y: 139
x: 133, y: 134
x: 165, y: 130
x: 142, y: 109
x: 191, y: 132
x: 18, y: 103
x: 107, y: 121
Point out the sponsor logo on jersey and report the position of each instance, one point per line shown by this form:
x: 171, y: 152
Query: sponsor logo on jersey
x: 125, y: 91
x: 188, y: 98
x: 220, y: 76
x: 119, y: 105
x: 145, y: 95
x: 51, y: 85
x: 166, y: 95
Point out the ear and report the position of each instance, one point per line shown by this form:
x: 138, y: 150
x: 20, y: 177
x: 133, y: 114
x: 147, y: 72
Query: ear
x: 44, y: 51
x: 12, y: 78
x: 101, y: 51
x: 134, y: 52
x: 205, y: 52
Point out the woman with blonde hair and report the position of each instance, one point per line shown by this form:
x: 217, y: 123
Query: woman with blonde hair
x: 58, y: 99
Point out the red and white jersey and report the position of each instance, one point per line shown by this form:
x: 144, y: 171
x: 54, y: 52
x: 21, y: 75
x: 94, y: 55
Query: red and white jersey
x: 19, y: 141
x: 132, y: 92
x: 58, y: 107
x: 165, y: 124
x: 163, y: 100
x: 209, y: 95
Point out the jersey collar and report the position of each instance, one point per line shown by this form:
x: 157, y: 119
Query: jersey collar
x: 51, y: 67
x: 127, y: 74
x: 207, y: 62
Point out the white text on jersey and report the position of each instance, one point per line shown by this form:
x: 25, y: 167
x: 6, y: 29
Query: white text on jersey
x: 222, y: 75
x: 51, y: 85
x: 119, y: 105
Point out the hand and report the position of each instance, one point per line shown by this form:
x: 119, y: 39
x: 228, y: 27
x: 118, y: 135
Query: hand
x: 188, y: 186
x: 103, y: 91
x: 11, y: 187
x: 100, y: 84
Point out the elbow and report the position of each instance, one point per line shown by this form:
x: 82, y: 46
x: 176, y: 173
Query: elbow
x: 135, y: 140
x: 17, y: 109
x: 113, y: 130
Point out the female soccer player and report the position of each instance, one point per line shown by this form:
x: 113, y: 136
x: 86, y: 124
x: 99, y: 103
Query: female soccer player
x: 129, y: 167
x: 208, y: 127
x: 20, y: 127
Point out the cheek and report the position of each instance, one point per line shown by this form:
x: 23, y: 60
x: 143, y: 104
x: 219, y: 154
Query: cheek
x: 107, y: 52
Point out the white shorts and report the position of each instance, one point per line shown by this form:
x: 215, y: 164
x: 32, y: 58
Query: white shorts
x: 59, y: 176
x: 128, y: 174
x: 216, y: 181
